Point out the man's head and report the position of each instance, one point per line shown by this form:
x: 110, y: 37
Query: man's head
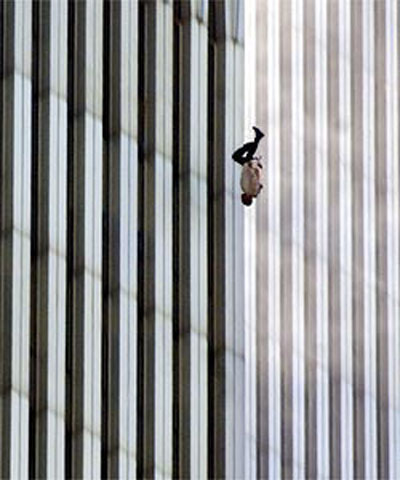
x: 247, y: 199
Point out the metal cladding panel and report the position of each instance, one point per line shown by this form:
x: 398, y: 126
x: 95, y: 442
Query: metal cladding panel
x: 15, y: 235
x: 327, y: 239
x: 124, y: 348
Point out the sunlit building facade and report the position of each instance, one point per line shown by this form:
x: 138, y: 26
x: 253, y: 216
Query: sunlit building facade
x: 122, y: 332
x: 328, y: 338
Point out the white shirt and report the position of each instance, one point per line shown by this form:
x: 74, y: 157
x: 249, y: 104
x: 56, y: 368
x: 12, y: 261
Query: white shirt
x: 250, y: 180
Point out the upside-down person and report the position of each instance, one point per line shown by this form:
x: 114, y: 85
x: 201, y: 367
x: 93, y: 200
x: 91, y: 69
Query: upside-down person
x: 250, y: 180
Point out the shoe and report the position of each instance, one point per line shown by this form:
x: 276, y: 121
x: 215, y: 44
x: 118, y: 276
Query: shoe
x: 258, y: 132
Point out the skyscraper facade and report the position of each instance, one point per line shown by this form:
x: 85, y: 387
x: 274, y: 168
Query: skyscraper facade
x: 122, y: 333
x: 328, y: 240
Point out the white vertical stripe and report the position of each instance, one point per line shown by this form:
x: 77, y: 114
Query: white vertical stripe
x: 95, y: 49
x: 124, y: 360
x: 20, y: 164
x: 194, y: 254
x: 159, y: 376
x: 61, y: 248
x: 392, y: 142
x: 202, y: 269
x: 132, y: 309
x: 128, y: 262
x: 369, y: 334
x: 250, y: 258
x: 346, y: 427
x: 132, y: 256
x: 198, y: 248
x: 93, y: 241
x: 57, y: 239
x: 321, y: 100
x: 298, y: 239
x: 229, y: 272
x: 238, y: 232
x: 251, y: 344
x: 163, y: 243
x: 273, y: 189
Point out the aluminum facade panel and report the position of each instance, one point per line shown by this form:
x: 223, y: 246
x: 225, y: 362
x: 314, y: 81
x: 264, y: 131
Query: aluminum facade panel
x: 328, y: 232
x: 95, y: 168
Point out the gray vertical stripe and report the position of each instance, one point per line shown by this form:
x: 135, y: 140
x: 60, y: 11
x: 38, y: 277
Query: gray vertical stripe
x: 111, y: 238
x: 357, y: 243
x: 182, y: 286
x: 286, y: 218
x: 7, y: 321
x: 40, y: 239
x: 381, y: 239
x: 216, y: 241
x: 345, y: 240
x: 146, y: 267
x: 334, y: 240
x: 310, y: 240
x: 75, y: 348
x: 155, y: 244
x: 393, y: 335
x: 262, y: 252
x: 190, y: 237
x: 369, y: 240
x: 298, y: 238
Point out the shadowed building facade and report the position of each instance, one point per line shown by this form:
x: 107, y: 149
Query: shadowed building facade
x: 122, y: 335
x: 328, y: 240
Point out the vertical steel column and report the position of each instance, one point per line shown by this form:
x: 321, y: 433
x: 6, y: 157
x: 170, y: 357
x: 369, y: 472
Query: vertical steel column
x: 84, y: 239
x: 15, y: 233
x: 49, y: 227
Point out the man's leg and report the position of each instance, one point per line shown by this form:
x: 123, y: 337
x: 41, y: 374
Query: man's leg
x: 239, y: 154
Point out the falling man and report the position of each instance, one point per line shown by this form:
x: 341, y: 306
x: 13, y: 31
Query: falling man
x: 250, y: 180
